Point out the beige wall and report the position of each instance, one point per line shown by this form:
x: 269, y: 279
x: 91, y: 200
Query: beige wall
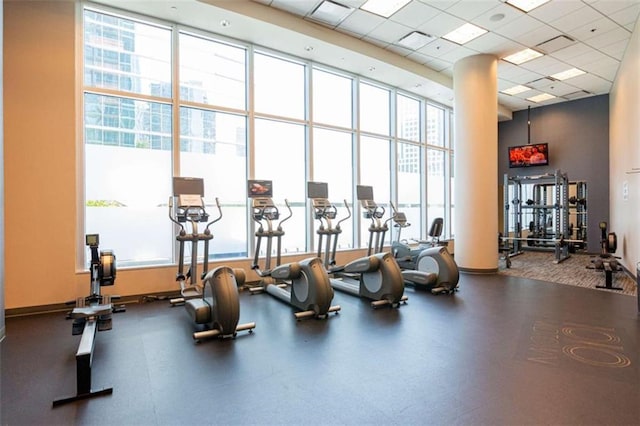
x: 624, y: 154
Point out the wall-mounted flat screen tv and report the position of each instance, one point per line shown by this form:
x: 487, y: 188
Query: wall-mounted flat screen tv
x: 536, y: 154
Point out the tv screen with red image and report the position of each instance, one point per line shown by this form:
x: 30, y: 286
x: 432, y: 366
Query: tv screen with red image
x: 529, y: 155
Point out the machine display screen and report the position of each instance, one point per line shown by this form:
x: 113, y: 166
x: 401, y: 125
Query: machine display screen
x: 317, y: 190
x: 364, y: 192
x: 260, y: 188
x: 188, y: 185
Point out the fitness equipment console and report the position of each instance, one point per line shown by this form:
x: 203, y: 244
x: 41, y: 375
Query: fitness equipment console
x: 377, y: 276
x: 90, y: 315
x: 215, y: 304
x: 304, y: 285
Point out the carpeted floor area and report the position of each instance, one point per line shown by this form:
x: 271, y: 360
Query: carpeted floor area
x: 572, y: 271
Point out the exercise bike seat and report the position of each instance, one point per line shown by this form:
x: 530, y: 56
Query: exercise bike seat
x: 90, y: 311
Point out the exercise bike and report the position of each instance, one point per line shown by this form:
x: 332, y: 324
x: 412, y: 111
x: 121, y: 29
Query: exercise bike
x: 377, y: 276
x: 430, y: 266
x: 214, y: 304
x: 90, y: 315
x: 304, y: 285
x: 606, y: 261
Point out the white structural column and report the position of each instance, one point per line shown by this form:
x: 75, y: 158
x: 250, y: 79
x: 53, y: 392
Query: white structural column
x: 476, y: 163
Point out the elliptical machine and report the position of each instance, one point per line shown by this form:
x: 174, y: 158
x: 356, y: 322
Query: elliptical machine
x: 377, y: 276
x: 430, y: 266
x: 215, y: 304
x: 304, y: 285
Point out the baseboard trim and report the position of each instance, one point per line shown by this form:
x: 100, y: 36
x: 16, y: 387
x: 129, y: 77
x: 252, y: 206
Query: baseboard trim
x: 478, y: 271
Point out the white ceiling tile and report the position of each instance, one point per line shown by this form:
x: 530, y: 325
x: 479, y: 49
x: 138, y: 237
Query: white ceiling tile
x: 440, y: 4
x: 419, y: 57
x: 414, y: 14
x: 616, y: 50
x: 389, y: 31
x: 519, y: 26
x: 360, y: 22
x: 525, y: 77
x: 402, y: 51
x: 469, y: 9
x: 438, y: 64
x: 488, y: 19
x: 376, y: 42
x: 592, y: 29
x: 588, y: 58
x: 591, y: 83
x: 608, y: 7
x: 538, y: 35
x: 627, y: 16
x: 605, y: 68
x: 558, y: 88
x: 494, y: 44
x: 573, y: 51
x: 441, y: 24
x: 608, y: 38
x: 458, y: 53
x: 545, y: 65
x: 297, y: 7
x: 438, y: 48
x: 575, y: 19
x: 552, y: 10
x: 352, y: 3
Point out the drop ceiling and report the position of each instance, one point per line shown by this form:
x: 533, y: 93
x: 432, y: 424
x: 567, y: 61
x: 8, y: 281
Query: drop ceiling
x: 590, y: 35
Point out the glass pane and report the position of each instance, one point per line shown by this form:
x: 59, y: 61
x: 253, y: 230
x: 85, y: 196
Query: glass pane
x: 127, y: 177
x: 211, y: 72
x: 332, y: 99
x: 333, y: 164
x: 408, y: 118
x: 280, y: 157
x: 435, y: 185
x: 409, y: 189
x: 279, y: 87
x: 375, y: 172
x: 126, y: 55
x: 435, y: 126
x: 213, y: 147
x: 374, y: 109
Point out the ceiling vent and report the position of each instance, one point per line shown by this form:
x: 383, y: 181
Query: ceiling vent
x: 330, y: 12
x: 555, y: 44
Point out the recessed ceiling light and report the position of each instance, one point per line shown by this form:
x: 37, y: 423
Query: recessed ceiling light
x: 384, y: 8
x: 464, y: 34
x: 515, y: 90
x: 331, y: 12
x: 497, y: 17
x: 526, y: 5
x: 541, y: 97
x: 522, y: 56
x: 565, y: 75
x: 415, y: 40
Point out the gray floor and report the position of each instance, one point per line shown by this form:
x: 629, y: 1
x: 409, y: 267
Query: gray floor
x: 503, y: 351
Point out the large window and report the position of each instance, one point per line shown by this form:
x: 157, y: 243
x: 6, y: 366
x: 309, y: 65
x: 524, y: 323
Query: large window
x: 161, y: 100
